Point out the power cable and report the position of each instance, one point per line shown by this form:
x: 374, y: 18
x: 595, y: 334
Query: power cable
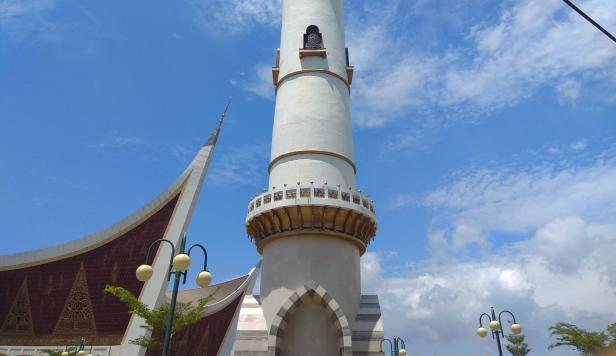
x: 568, y: 2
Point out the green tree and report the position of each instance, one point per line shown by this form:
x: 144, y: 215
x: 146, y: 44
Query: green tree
x: 611, y: 331
x: 186, y: 314
x: 587, y: 343
x: 516, y: 345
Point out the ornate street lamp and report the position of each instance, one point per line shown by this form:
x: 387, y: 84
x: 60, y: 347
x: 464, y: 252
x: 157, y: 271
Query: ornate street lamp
x: 496, y: 327
x: 396, y: 347
x: 78, y: 350
x: 178, y: 267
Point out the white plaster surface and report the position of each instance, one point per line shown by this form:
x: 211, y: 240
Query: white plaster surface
x: 297, y: 16
x: 316, y: 168
x: 290, y: 262
x: 312, y: 113
x: 312, y: 109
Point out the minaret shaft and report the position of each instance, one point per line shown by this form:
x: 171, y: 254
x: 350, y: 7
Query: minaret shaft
x: 312, y: 139
x: 311, y: 225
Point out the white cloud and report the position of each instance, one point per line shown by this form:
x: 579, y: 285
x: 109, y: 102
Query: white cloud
x: 260, y: 85
x: 553, y: 151
x: 382, y: 95
x: 465, y: 234
x: 562, y: 243
x: 404, y: 200
x: 568, y: 90
x: 58, y: 23
x: 437, y: 304
x: 226, y: 17
x: 10, y: 9
x: 529, y: 44
x: 370, y: 266
x: 389, y: 80
x: 525, y: 200
x: 239, y: 164
x: 532, y: 43
x: 21, y: 20
x: 579, y: 144
x: 133, y: 146
x: 556, y: 263
x: 119, y: 140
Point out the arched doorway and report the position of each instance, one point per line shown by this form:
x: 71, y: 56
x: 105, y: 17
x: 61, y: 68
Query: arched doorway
x: 310, y: 323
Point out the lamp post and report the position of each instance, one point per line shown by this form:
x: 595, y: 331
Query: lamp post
x: 396, y: 346
x: 496, y: 327
x: 79, y: 349
x: 178, y: 267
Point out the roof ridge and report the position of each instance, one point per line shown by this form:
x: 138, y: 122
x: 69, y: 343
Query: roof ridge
x: 211, y: 141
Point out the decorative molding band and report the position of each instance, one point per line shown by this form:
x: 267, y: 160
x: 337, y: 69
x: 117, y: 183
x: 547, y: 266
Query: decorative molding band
x: 312, y: 70
x: 311, y: 152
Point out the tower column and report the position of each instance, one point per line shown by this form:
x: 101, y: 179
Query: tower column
x: 311, y: 225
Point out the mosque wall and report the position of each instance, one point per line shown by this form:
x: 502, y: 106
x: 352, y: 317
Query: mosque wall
x: 63, y: 300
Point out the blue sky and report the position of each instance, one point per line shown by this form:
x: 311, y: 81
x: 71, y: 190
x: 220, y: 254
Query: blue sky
x: 484, y: 131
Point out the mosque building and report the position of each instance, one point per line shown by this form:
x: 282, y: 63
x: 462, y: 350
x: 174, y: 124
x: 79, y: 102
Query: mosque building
x: 311, y: 226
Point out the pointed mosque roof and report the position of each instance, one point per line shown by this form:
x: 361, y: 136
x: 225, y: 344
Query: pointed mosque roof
x: 188, y: 183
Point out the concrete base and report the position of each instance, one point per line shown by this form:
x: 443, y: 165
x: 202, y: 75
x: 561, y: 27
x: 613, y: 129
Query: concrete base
x: 251, y: 337
x: 252, y: 333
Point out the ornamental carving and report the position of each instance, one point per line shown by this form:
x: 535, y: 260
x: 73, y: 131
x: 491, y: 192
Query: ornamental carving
x: 77, y: 317
x: 48, y: 299
x: 19, y: 319
x: 313, y: 38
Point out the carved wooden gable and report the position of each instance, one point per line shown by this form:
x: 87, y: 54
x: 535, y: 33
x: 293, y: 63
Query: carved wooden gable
x: 19, y: 319
x: 77, y: 317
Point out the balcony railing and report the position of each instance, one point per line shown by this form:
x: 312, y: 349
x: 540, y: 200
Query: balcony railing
x: 301, y: 194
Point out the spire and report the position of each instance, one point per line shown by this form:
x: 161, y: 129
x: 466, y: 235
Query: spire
x: 214, y: 136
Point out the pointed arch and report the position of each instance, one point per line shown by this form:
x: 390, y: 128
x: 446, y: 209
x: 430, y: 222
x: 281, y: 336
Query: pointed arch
x: 334, y: 310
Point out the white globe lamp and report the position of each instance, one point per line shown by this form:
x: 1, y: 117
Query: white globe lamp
x: 204, y: 278
x: 516, y: 328
x: 144, y: 273
x: 482, y: 332
x: 181, y: 262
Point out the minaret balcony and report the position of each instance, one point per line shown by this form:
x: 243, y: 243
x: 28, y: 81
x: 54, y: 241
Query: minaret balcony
x: 308, y: 209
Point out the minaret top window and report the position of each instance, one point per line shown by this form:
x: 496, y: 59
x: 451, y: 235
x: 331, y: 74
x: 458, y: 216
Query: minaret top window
x: 313, y: 38
x: 313, y: 43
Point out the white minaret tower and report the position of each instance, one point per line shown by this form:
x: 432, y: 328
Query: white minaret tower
x: 312, y: 224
